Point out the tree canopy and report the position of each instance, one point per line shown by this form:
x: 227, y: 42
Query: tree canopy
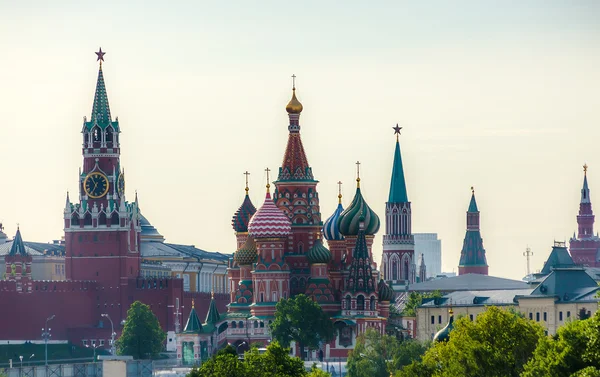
x: 142, y: 335
x: 415, y: 299
x: 302, y: 320
x: 275, y: 362
x: 497, y: 344
x: 377, y: 355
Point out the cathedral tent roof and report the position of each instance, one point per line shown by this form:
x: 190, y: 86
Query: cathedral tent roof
x: 398, y: 192
x: 18, y: 247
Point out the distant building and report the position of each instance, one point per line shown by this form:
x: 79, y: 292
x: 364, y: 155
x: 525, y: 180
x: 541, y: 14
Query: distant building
x: 472, y: 255
x: 431, y: 247
x: 585, y: 246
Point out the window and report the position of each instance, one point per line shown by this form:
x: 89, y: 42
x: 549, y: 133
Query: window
x: 560, y: 316
x: 531, y: 316
x: 432, y: 319
x: 439, y: 319
x: 471, y: 317
x: 545, y: 317
x: 360, y: 302
x: 348, y: 303
x: 537, y: 316
x: 568, y: 314
x: 372, y: 303
x: 186, y: 282
x: 233, y: 325
x: 101, y: 342
x: 84, y: 342
x: 241, y: 325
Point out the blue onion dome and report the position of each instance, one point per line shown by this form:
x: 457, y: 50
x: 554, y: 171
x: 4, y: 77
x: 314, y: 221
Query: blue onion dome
x: 318, y: 253
x: 242, y: 216
x: 247, y: 254
x: 331, y: 229
x: 444, y: 334
x: 348, y: 221
x: 386, y: 293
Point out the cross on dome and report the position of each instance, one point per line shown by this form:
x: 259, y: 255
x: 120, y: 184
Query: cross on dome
x: 585, y: 168
x: 268, y: 184
x: 246, y: 173
x: 357, y: 173
x: 293, y: 81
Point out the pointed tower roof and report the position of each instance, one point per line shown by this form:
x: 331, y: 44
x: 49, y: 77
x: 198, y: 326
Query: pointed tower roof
x: 212, y: 316
x: 18, y: 247
x: 193, y: 324
x: 360, y: 278
x: 585, y: 190
x: 473, y: 203
x: 398, y: 185
x: 242, y: 216
x: 295, y: 164
x: 100, y: 109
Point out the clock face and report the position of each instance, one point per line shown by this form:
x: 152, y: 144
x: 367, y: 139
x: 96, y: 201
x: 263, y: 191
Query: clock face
x: 95, y: 185
x: 121, y: 185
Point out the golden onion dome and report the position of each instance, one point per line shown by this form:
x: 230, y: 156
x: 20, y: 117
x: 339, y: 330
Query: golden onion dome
x: 294, y: 106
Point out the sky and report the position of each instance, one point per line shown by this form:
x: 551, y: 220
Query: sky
x: 502, y: 96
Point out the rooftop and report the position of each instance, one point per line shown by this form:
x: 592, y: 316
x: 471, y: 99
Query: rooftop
x: 468, y: 282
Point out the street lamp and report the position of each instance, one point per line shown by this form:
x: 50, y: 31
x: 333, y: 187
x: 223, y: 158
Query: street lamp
x: 94, y: 346
x: 29, y: 361
x: 112, y: 334
x: 46, y: 335
x: 21, y: 358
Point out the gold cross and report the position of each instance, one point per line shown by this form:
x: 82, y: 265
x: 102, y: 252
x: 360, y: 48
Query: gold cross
x: 585, y: 167
x: 268, y: 184
x: 340, y: 191
x: 357, y: 173
x: 246, y: 174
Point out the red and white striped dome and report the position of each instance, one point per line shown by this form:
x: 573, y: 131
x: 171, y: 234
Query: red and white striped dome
x: 269, y: 221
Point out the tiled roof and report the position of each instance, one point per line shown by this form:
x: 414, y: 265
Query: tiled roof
x: 468, y: 282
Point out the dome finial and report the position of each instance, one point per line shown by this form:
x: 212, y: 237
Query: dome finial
x: 472, y: 190
x: 585, y: 168
x: 339, y: 192
x: 294, y: 106
x: 246, y: 174
x: 397, y: 131
x: 268, y: 184
x: 357, y: 174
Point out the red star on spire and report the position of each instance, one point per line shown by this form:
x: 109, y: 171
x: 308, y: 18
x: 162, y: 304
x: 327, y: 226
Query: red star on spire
x: 396, y: 129
x: 100, y: 55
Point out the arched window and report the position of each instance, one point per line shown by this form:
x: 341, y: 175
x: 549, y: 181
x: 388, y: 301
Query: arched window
x: 348, y: 302
x: 102, y: 219
x: 405, y: 273
x: 360, y: 302
x: 255, y: 324
x: 114, y: 219
x: 87, y: 221
x: 372, y: 303
x: 75, y: 220
x: 233, y: 325
x: 395, y: 270
x: 241, y: 325
x: 96, y: 137
x: 109, y: 137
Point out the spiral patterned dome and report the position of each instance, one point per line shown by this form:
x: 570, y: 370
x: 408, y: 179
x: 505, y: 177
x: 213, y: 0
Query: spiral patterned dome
x: 331, y: 229
x: 318, y: 253
x: 349, y: 219
x: 269, y: 221
x: 242, y: 216
x: 386, y: 293
x: 247, y: 254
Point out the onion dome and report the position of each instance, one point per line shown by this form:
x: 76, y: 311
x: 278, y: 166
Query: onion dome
x: 294, y: 106
x: 247, y: 254
x: 318, y: 253
x: 331, y: 229
x: 348, y: 220
x: 444, y: 334
x: 269, y: 221
x: 386, y: 293
x: 242, y: 216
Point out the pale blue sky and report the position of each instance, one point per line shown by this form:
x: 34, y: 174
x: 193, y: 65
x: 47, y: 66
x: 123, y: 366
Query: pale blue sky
x: 499, y: 95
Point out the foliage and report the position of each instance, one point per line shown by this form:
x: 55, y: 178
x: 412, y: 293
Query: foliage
x: 142, y: 335
x: 573, y: 351
x: 377, y: 355
x: 498, y: 343
x: 275, y: 362
x: 302, y: 320
x: 228, y: 349
x: 316, y: 372
x: 415, y: 299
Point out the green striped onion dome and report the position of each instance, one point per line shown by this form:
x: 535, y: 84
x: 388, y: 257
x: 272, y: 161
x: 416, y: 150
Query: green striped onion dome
x: 349, y: 219
x: 247, y: 254
x: 318, y: 253
x: 386, y: 293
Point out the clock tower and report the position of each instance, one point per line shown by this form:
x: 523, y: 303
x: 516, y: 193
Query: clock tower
x: 102, y: 230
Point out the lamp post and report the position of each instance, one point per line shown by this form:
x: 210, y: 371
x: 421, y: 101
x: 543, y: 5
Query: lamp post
x: 29, y: 361
x: 21, y: 358
x: 46, y: 335
x: 112, y: 334
x: 94, y: 346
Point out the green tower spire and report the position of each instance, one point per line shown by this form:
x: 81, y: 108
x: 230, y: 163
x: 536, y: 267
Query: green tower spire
x: 398, y: 185
x: 213, y: 316
x: 473, y: 204
x: 193, y: 323
x: 101, y: 109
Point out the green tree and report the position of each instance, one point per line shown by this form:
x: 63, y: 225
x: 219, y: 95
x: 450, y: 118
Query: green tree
x: 142, y: 335
x: 316, y: 372
x: 415, y: 299
x: 497, y: 344
x: 302, y: 320
x: 377, y: 355
x: 221, y: 365
x: 275, y: 362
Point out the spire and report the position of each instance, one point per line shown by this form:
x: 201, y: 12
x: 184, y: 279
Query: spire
x: 473, y: 203
x: 360, y: 278
x: 67, y: 204
x: 193, y: 323
x: 398, y: 185
x: 585, y: 191
x: 422, y: 269
x: 101, y: 109
x: 212, y: 316
x: 18, y: 247
x: 295, y: 164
